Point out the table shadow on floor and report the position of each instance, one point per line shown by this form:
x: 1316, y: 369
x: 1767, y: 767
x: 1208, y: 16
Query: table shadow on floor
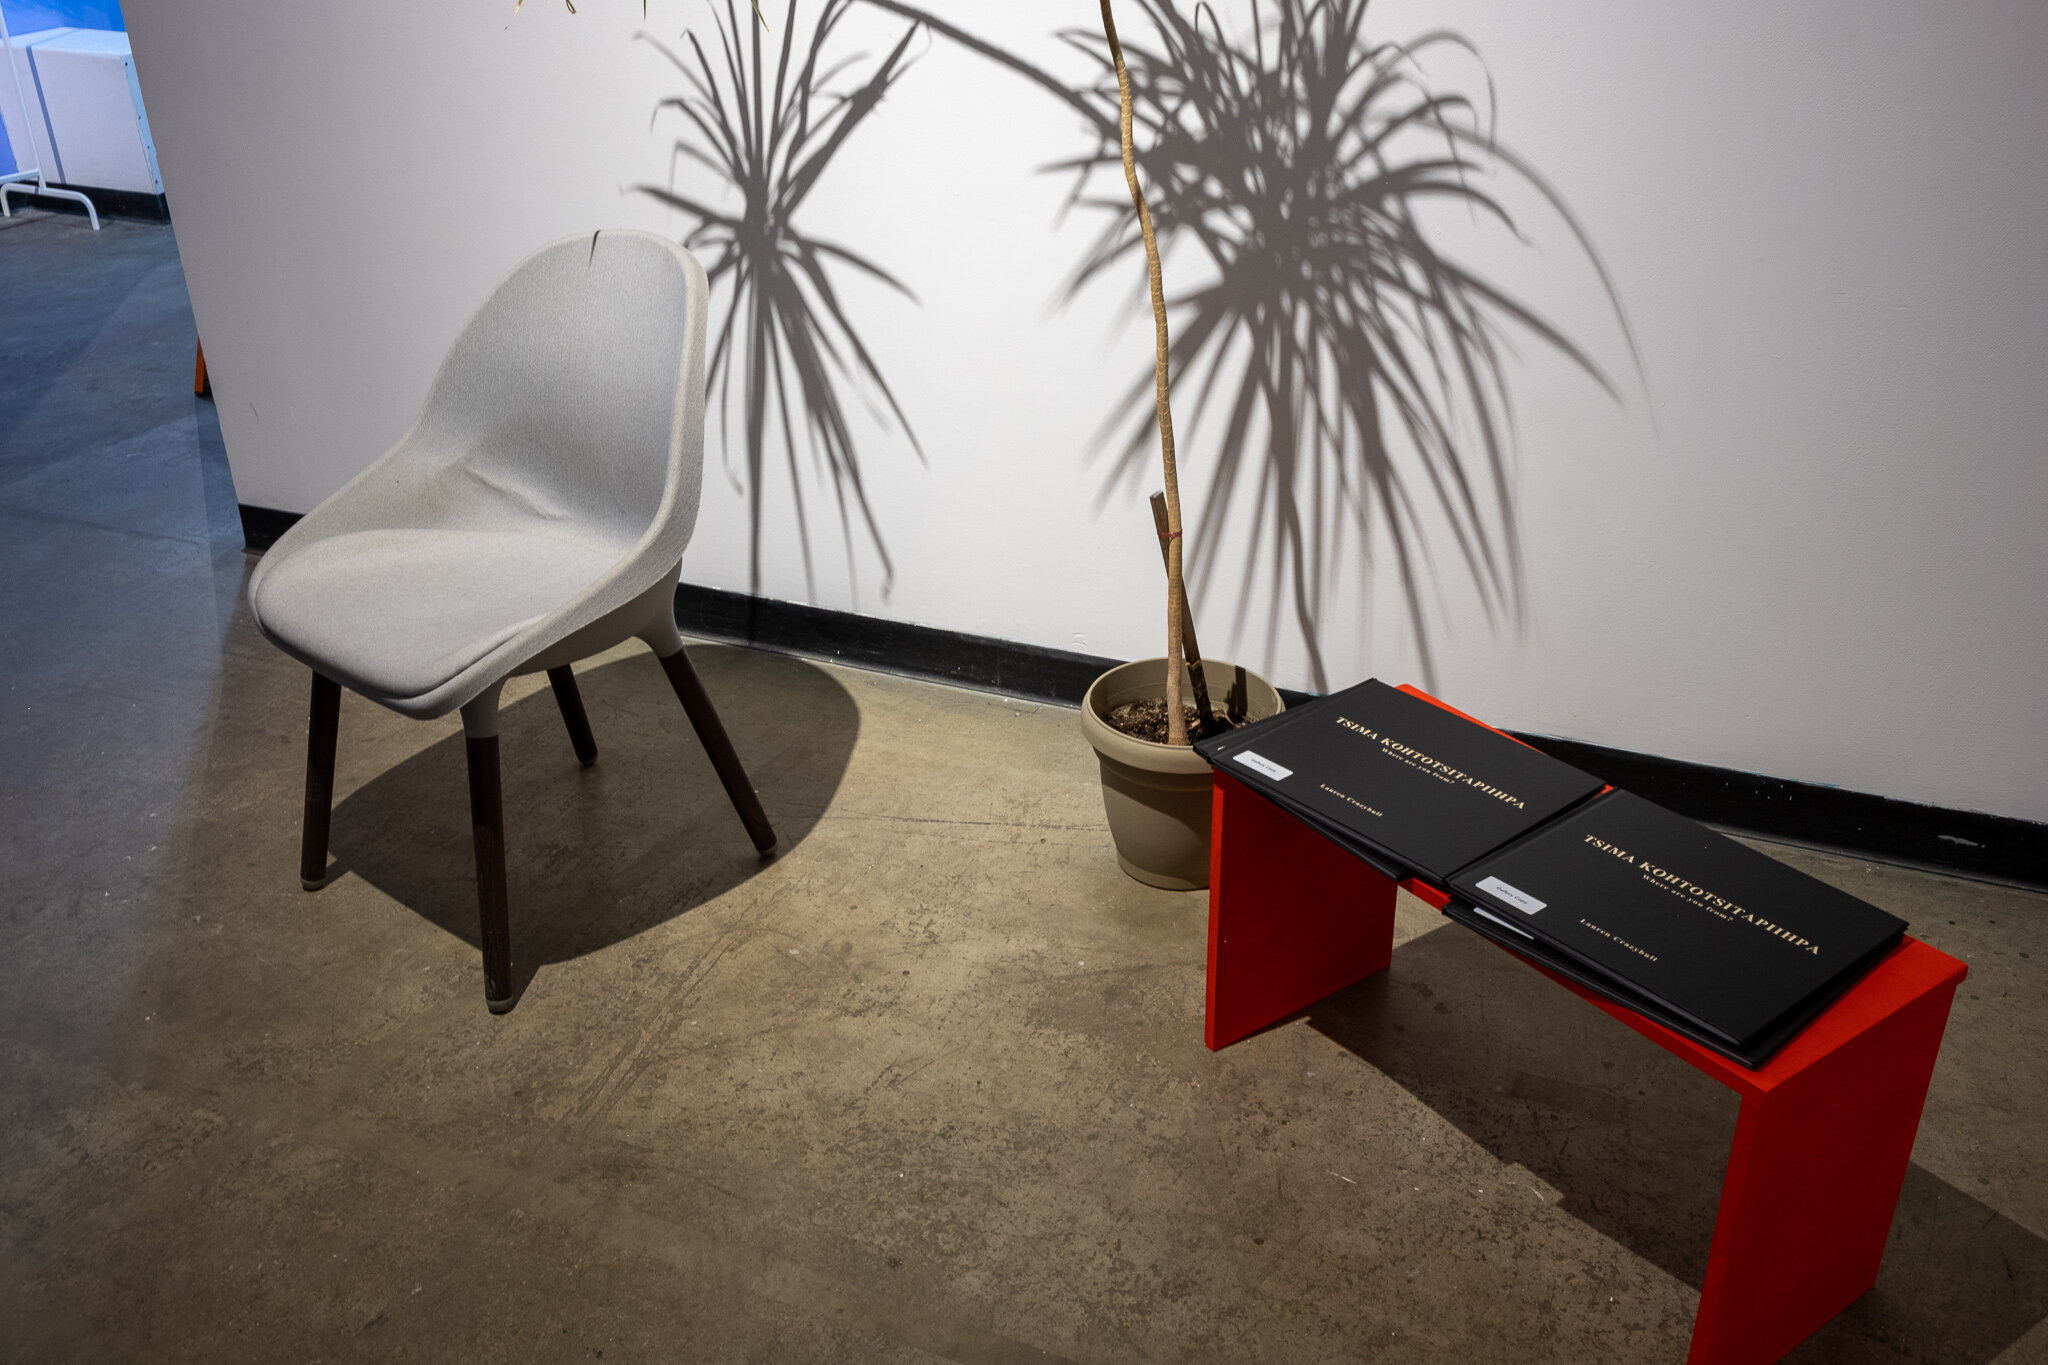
x: 597, y: 855
x: 1636, y: 1141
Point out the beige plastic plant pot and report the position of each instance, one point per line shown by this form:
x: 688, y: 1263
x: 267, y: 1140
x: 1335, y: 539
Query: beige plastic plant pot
x: 1157, y: 795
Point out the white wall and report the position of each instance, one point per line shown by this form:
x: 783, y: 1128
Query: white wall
x: 1812, y: 549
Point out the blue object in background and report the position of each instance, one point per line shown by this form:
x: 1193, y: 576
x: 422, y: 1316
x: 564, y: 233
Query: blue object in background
x: 28, y: 16
x: 32, y: 16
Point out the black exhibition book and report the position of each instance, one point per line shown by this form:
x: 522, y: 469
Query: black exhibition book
x: 1406, y: 785
x: 1758, y: 1051
x: 1723, y: 944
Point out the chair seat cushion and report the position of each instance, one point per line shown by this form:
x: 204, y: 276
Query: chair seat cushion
x: 395, y: 614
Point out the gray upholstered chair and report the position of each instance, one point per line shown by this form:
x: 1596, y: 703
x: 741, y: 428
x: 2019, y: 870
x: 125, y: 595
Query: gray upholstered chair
x: 535, y: 514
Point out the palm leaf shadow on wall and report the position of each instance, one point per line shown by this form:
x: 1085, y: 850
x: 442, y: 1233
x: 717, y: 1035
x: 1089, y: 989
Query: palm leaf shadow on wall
x: 1361, y: 374
x: 769, y: 128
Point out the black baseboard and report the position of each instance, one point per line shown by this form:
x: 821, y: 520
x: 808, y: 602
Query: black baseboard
x: 261, y: 526
x: 1988, y: 847
x: 915, y: 651
x: 1991, y: 847
x: 149, y: 208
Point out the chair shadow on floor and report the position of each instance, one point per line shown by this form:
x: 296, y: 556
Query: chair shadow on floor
x: 597, y: 855
x: 1636, y: 1142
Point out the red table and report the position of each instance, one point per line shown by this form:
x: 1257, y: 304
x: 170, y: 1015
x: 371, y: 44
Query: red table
x: 1826, y: 1129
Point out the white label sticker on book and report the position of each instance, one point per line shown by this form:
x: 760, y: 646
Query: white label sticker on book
x: 1513, y: 895
x: 1263, y: 765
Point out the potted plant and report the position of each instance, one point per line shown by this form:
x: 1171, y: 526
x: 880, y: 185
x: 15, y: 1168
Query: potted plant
x: 1362, y: 368
x: 1155, y: 788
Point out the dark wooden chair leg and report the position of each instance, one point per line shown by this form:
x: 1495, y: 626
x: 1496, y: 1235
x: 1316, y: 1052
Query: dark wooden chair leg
x: 487, y: 821
x: 704, y: 717
x: 320, y: 737
x: 571, y: 702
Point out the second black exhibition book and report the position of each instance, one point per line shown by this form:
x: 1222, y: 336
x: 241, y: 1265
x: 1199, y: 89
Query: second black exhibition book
x: 1407, y: 785
x: 1716, y: 941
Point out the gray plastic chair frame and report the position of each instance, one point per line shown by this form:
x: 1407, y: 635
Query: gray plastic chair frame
x: 535, y: 514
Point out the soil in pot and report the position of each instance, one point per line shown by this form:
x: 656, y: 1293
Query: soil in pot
x: 1145, y: 719
x: 1157, y: 796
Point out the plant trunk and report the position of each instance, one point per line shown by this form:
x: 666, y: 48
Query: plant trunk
x: 1204, y: 714
x: 1176, y: 589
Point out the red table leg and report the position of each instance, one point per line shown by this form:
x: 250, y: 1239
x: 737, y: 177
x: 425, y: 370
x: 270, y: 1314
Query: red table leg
x: 1291, y: 916
x: 1817, y: 1164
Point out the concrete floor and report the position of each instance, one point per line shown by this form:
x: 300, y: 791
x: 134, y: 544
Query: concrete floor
x: 930, y: 1086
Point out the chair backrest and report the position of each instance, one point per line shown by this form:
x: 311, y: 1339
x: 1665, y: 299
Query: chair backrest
x: 576, y: 395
